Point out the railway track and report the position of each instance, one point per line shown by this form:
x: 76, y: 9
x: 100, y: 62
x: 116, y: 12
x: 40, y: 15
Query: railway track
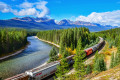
x: 42, y: 72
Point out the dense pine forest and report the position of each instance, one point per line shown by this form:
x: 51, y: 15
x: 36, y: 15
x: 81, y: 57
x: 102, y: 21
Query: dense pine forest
x: 112, y: 36
x: 11, y: 40
x: 79, y: 39
x: 68, y: 37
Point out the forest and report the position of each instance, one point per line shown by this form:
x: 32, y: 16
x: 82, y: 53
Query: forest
x: 99, y: 62
x: 12, y: 40
x: 112, y: 36
x: 75, y: 39
x: 80, y: 39
x: 68, y: 38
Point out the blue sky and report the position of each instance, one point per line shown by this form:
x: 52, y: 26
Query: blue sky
x: 105, y: 12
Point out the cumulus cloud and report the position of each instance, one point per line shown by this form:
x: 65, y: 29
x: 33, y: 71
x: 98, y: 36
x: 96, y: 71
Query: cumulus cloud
x: 26, y: 5
x: 29, y: 11
x: 38, y: 9
x: 104, y: 18
x: 4, y: 7
x: 41, y: 6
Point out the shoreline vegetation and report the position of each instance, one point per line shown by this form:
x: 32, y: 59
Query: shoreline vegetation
x: 12, y: 42
x: 15, y: 52
x: 52, y: 43
x: 58, y: 46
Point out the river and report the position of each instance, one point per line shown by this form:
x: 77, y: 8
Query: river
x: 37, y: 53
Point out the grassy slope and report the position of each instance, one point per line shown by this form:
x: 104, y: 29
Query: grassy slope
x: 111, y: 74
x: 105, y: 75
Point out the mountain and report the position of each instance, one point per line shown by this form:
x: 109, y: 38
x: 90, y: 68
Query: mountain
x: 65, y: 22
x: 48, y: 24
x: 30, y: 23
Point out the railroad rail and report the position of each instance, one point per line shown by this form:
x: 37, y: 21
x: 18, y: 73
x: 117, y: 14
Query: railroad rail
x: 46, y: 70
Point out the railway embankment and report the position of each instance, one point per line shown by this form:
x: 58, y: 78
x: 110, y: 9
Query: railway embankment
x: 89, y: 60
x: 52, y: 44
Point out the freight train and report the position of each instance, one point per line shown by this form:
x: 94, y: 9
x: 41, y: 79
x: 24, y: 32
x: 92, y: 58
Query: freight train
x: 42, y: 72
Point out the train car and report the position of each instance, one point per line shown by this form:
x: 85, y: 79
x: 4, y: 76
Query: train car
x: 21, y: 76
x: 88, y: 51
x: 43, y: 71
x: 70, y: 59
x: 95, y: 47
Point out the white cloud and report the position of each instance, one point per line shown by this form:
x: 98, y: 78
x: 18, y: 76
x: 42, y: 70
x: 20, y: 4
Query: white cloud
x: 104, y: 18
x: 26, y: 5
x: 4, y: 7
x: 29, y: 11
x: 41, y: 6
x: 38, y: 9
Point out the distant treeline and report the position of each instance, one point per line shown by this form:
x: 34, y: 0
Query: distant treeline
x: 68, y: 37
x: 112, y: 36
x: 11, y: 40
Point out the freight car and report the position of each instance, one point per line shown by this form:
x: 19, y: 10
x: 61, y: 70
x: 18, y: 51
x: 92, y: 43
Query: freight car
x: 42, y: 72
x: 95, y: 47
x: 21, y: 76
x: 48, y: 69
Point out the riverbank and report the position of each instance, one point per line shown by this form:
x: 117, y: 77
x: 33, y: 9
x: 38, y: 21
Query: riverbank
x: 48, y: 42
x: 14, y: 53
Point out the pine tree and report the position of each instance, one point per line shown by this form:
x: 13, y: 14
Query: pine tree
x: 62, y: 44
x: 112, y: 61
x: 53, y: 55
x: 72, y: 46
x: 96, y: 62
x: 102, y: 64
x: 116, y: 59
x: 79, y: 62
x: 96, y: 56
x: 118, y: 54
x: 53, y: 52
x: 97, y: 65
x: 62, y: 68
x: 88, y: 70
x: 65, y: 53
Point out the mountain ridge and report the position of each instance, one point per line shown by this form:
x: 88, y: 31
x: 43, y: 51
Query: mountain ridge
x: 49, y: 24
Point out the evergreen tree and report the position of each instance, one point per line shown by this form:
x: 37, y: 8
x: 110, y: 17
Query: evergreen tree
x: 53, y: 52
x: 65, y: 53
x: 102, y: 64
x: 116, y: 59
x: 62, y: 68
x: 96, y: 56
x: 79, y: 62
x: 53, y: 55
x: 11, y: 40
x: 112, y: 61
x: 88, y: 70
x: 72, y: 46
x: 99, y: 64
x: 118, y: 56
